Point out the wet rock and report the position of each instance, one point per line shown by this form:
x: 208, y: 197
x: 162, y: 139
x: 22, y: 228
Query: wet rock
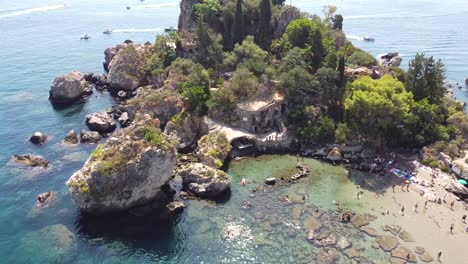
x: 176, y: 207
x: 343, y: 243
x: 369, y: 231
x: 362, y: 220
x: 323, y: 239
x: 297, y: 211
x: 90, y: 137
x: 67, y: 88
x: 328, y: 256
x: 51, y: 244
x: 99, y: 80
x: 124, y: 120
x: 312, y: 224
x: 404, y: 253
x: 334, y: 154
x: 426, y: 257
x: 397, y: 261
x: 270, y: 181
x: 419, y: 250
x: 352, y: 253
x: 122, y: 94
x: 205, y: 181
x: 43, y: 197
x: 375, y: 245
x: 31, y: 160
x: 405, y: 236
x: 38, y: 138
x: 387, y: 243
x: 71, y: 137
x: 101, y: 122
x: 394, y: 229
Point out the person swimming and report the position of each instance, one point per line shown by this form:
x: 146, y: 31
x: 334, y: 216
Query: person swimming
x: 243, y: 182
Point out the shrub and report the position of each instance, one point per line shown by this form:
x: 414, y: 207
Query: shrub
x: 156, y: 138
x: 434, y: 164
x: 362, y: 58
x: 341, y: 133
x: 244, y: 83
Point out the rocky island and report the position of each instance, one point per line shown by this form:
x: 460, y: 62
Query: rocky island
x: 239, y: 80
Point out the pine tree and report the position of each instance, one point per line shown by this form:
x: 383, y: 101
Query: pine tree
x: 238, y: 27
x: 265, y: 30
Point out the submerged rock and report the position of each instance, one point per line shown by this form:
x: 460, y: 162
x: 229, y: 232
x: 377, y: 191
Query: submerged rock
x: 405, y: 254
x: 405, y: 236
x: 387, y: 243
x: 90, y: 137
x: 31, y: 160
x: 51, y: 244
x: 394, y: 229
x: 270, y: 181
x: 369, y: 231
x: 101, y: 122
x: 205, y: 181
x: 323, y: 239
x: 127, y: 171
x: 343, y: 243
x: 38, y: 138
x: 67, y: 88
x: 71, y: 137
x: 175, y: 207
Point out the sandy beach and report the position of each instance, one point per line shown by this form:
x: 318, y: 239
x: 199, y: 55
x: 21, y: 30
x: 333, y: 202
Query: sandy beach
x: 429, y: 227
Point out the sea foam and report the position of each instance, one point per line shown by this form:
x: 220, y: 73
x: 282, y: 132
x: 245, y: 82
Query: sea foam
x: 20, y: 12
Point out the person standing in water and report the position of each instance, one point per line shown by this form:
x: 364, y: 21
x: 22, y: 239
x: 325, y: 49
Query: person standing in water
x: 402, y: 210
x: 243, y: 182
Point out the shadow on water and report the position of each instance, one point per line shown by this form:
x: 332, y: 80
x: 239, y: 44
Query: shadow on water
x: 373, y: 182
x: 149, y: 232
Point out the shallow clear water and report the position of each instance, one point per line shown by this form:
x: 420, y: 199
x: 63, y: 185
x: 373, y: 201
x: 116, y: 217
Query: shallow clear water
x: 41, y: 40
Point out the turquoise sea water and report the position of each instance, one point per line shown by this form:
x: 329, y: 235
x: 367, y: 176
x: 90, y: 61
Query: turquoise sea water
x: 41, y: 40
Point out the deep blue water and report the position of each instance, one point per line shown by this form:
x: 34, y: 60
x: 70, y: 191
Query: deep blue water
x: 41, y: 40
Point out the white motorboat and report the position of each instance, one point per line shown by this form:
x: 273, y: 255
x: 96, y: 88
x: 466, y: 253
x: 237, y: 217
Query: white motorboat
x: 170, y: 29
x: 86, y: 36
x: 368, y: 38
x: 107, y: 31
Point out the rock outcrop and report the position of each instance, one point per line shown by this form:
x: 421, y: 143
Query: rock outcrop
x: 129, y: 170
x: 213, y: 149
x: 68, y: 88
x: 90, y: 137
x: 205, y: 181
x: 391, y: 59
x: 101, y: 122
x: 38, y: 138
x: 125, y: 72
x: 163, y: 103
x: 31, y: 160
x: 186, y: 129
x: 71, y: 137
x: 55, y: 243
x: 287, y: 14
x: 186, y: 28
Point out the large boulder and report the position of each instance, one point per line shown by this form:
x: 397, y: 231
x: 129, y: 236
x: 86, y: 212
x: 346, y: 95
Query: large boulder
x: 391, y: 59
x: 101, y: 122
x: 185, y: 129
x: 31, y: 160
x: 125, y: 68
x: 51, y: 244
x: 90, y: 137
x: 110, y: 53
x: 68, y: 88
x: 129, y: 170
x: 205, y: 181
x: 38, y: 138
x: 163, y: 103
x: 213, y: 149
x: 71, y: 137
x: 334, y: 155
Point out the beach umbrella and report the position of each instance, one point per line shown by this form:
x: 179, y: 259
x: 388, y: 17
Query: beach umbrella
x: 463, y: 181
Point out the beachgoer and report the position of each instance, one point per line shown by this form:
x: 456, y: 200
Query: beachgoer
x: 451, y: 204
x: 388, y: 212
x: 243, y: 182
x: 451, y: 228
x: 402, y: 210
x: 393, y: 188
x: 464, y: 218
x: 439, y: 255
x: 407, y: 187
x: 425, y: 205
x: 416, y: 207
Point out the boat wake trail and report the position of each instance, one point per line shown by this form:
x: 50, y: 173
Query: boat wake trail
x: 133, y: 30
x: 354, y: 37
x: 156, y: 6
x: 20, y: 12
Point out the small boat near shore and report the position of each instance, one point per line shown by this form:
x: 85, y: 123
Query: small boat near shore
x: 86, y: 36
x: 129, y: 7
x: 170, y: 29
x: 368, y: 38
x: 107, y: 31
